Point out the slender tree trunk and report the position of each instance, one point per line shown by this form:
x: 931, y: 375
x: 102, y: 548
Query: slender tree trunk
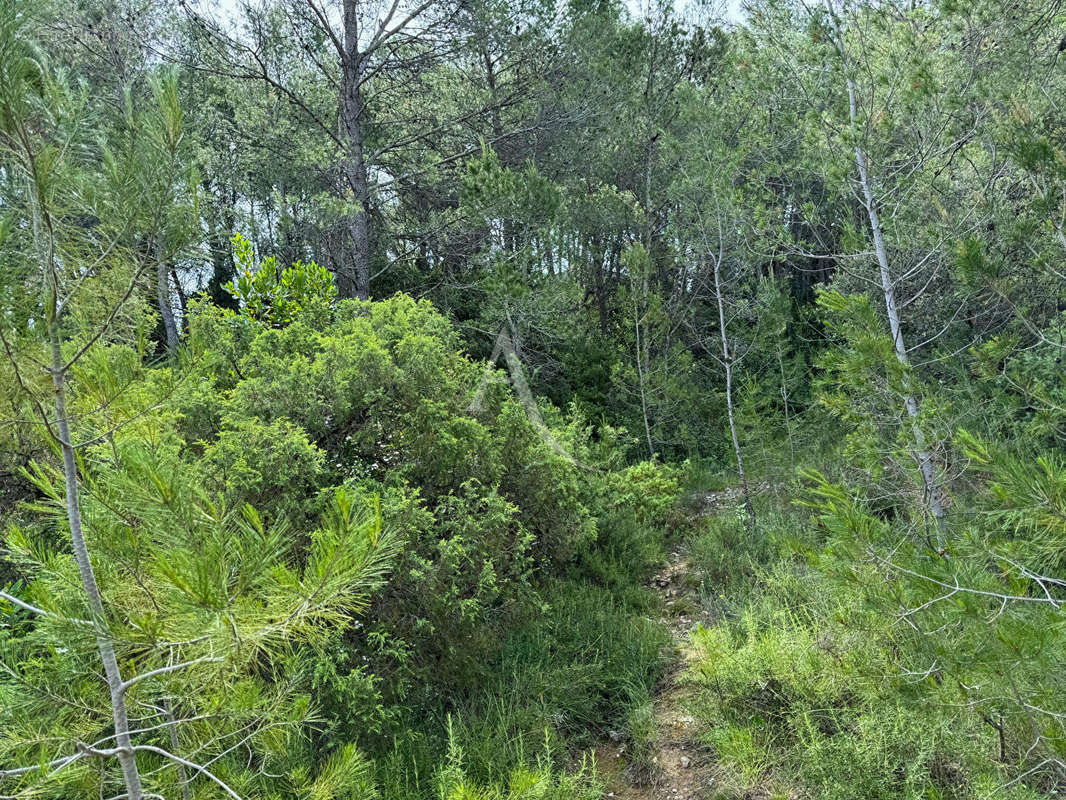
x: 221, y: 227
x: 170, y: 325
x: 175, y: 748
x: 510, y: 239
x: 727, y: 362
x: 888, y: 289
x: 784, y: 397
x: 183, y: 300
x: 600, y: 292
x: 910, y: 401
x: 643, y: 348
x: 354, y: 279
x: 641, y: 380
x: 127, y: 759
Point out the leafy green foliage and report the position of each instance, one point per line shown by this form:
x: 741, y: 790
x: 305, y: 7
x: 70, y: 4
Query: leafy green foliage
x: 277, y: 296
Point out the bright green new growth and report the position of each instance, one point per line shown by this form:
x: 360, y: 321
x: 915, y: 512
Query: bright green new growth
x: 277, y: 296
x: 204, y: 606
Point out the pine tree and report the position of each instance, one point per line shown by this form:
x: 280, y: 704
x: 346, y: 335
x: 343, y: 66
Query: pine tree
x: 190, y: 608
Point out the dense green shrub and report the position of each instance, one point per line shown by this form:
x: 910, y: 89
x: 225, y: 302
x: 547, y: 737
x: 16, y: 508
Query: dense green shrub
x: 377, y: 397
x: 512, y: 598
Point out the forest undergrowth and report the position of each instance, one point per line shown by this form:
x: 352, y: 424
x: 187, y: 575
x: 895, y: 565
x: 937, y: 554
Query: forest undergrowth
x: 787, y: 680
x: 529, y: 400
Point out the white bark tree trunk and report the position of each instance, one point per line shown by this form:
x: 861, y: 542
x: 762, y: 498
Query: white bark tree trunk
x: 888, y: 289
x: 727, y: 362
x: 641, y: 380
x: 784, y: 397
x: 112, y: 674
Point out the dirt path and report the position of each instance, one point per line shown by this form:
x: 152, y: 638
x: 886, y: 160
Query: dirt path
x: 679, y: 767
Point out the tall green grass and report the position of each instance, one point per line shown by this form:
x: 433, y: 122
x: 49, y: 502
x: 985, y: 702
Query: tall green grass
x: 586, y: 663
x: 804, y: 688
